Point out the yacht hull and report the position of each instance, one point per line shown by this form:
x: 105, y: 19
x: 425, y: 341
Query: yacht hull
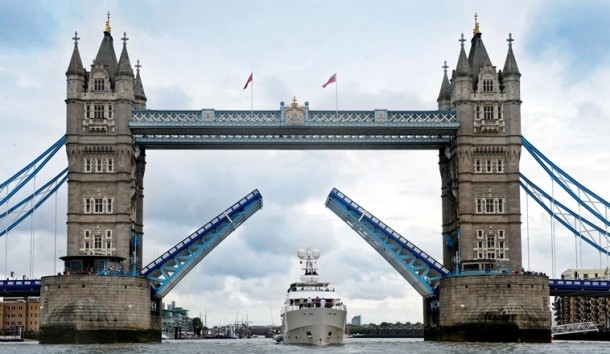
x: 315, y: 326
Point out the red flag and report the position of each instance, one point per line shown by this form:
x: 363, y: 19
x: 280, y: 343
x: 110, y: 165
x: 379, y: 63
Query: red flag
x: 248, y: 82
x: 331, y: 80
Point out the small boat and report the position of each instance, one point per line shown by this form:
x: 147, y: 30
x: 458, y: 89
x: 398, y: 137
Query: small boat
x: 313, y: 312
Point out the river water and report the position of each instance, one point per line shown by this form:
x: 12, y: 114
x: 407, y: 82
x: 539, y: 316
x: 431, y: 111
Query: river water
x: 265, y: 345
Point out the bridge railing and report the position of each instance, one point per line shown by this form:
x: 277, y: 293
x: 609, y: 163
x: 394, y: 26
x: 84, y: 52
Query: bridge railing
x: 270, y: 118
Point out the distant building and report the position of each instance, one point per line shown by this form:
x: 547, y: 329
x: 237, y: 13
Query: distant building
x: 176, y: 317
x: 576, y: 309
x: 20, y: 315
x: 356, y: 320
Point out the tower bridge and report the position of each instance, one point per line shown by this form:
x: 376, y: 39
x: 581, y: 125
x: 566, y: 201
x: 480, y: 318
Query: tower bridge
x: 476, y: 292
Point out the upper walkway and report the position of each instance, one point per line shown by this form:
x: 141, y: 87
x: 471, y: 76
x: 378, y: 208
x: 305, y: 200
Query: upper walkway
x: 293, y: 127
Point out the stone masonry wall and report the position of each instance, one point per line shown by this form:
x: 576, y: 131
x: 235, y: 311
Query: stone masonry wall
x: 522, y: 300
x: 91, y: 302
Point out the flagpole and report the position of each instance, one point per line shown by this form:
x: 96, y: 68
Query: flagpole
x: 252, y: 100
x: 336, y: 97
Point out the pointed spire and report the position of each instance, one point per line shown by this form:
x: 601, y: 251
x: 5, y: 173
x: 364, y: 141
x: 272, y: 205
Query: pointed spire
x: 106, y: 55
x: 76, y: 65
x: 138, y: 87
x: 444, y: 96
x: 124, y: 66
x: 510, y: 65
x: 478, y: 54
x: 463, y: 68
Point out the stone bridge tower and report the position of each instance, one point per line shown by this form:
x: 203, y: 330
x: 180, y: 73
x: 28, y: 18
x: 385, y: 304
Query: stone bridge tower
x: 99, y: 298
x: 487, y: 298
x: 105, y: 170
x: 480, y: 171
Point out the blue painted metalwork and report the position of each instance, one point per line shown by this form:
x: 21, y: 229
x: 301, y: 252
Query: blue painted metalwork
x: 293, y: 141
x: 576, y: 190
x: 568, y: 218
x: 26, y: 287
x: 167, y: 270
x: 561, y: 287
x: 421, y: 270
x: 19, y: 209
x: 26, y: 173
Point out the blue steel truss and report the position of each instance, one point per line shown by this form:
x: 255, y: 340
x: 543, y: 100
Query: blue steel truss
x: 305, y: 129
x: 166, y: 271
x: 590, y: 231
x: 421, y: 270
x: 574, y: 222
x: 595, y: 204
x: 28, y: 172
x: 26, y: 207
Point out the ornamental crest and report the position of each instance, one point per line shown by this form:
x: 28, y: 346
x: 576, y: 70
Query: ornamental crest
x: 295, y: 114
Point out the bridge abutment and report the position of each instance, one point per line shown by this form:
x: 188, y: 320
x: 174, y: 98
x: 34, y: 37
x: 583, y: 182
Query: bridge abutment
x: 490, y: 308
x: 80, y: 309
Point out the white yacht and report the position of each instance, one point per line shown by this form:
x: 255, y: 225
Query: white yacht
x: 313, y: 312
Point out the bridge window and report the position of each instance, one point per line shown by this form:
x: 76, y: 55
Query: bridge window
x: 109, y: 111
x: 88, y: 111
x: 499, y: 204
x: 98, y: 241
x: 87, y: 206
x: 491, y: 242
x: 109, y: 205
x: 99, y: 206
x: 88, y: 164
x: 500, y: 166
x: 480, y: 205
x: 99, y: 165
x: 488, y: 166
x: 489, y: 206
x: 98, y: 84
x: 98, y: 111
x: 488, y: 85
x: 477, y: 166
x: 87, y: 233
x: 110, y: 165
x: 488, y: 112
x: 108, y: 233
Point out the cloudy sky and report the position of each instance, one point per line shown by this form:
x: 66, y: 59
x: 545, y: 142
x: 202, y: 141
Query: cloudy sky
x: 387, y: 54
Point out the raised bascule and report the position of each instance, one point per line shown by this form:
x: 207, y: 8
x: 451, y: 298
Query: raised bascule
x: 478, y: 292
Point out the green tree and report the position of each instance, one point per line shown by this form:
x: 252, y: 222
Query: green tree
x: 197, y: 326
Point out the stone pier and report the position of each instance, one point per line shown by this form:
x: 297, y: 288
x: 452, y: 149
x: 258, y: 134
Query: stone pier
x: 490, y: 308
x: 79, y: 309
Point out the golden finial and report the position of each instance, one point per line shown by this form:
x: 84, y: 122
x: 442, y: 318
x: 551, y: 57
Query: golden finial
x: 107, y: 23
x: 476, y: 29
